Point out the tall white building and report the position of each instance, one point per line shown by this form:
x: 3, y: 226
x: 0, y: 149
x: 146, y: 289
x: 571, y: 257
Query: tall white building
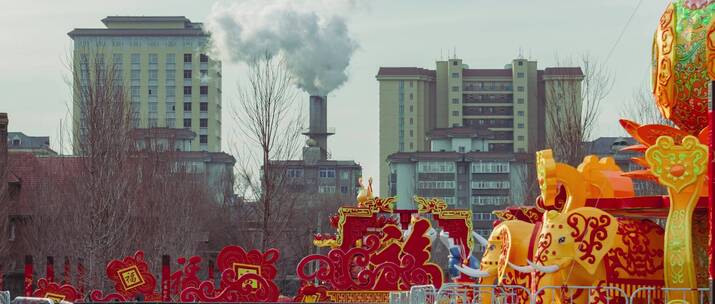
x: 162, y: 63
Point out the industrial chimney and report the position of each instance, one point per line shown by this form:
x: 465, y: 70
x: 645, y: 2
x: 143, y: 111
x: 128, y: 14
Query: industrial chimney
x: 318, y: 129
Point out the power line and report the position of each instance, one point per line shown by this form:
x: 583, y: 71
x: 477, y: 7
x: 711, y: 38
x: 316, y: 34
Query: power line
x: 623, y: 31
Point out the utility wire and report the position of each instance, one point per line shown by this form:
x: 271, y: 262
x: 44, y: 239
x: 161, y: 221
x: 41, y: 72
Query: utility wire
x: 623, y: 31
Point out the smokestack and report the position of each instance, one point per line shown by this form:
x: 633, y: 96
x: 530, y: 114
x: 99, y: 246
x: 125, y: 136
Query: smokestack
x: 318, y: 125
x: 3, y: 154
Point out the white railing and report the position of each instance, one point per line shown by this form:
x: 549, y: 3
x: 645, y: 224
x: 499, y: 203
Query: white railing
x: 497, y: 294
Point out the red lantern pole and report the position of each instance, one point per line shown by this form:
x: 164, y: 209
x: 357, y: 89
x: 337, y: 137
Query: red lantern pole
x: 80, y: 276
x: 211, y: 270
x: 165, y: 278
x: 50, y: 269
x: 66, y: 271
x: 711, y: 195
x: 28, y: 275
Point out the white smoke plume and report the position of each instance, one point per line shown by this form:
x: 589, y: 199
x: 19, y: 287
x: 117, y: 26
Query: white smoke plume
x: 317, y: 47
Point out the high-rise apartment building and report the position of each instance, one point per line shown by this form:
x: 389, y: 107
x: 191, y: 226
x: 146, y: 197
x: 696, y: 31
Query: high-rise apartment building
x: 505, y: 106
x: 169, y: 80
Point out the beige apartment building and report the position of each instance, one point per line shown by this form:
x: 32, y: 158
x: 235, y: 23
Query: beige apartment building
x: 168, y: 77
x: 505, y: 107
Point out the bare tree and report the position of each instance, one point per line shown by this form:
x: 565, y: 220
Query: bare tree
x: 573, y: 104
x: 643, y: 109
x: 116, y: 196
x: 268, y: 120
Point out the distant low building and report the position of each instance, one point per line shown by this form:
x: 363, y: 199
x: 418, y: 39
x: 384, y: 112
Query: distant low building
x: 313, y: 175
x: 463, y: 173
x: 611, y: 147
x: 216, y: 166
x: 38, y: 145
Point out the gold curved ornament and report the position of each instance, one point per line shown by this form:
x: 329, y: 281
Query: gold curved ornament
x: 682, y: 168
x: 433, y: 205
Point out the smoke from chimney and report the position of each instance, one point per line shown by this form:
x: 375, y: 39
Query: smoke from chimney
x: 316, y: 47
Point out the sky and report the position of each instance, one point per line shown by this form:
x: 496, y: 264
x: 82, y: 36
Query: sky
x: 486, y: 34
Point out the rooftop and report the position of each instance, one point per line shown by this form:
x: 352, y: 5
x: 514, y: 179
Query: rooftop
x: 143, y: 26
x: 162, y: 133
x: 563, y: 71
x: 486, y: 73
x: 461, y: 132
x: 456, y: 156
x: 506, y: 72
x: 610, y: 145
x: 111, y: 19
x: 18, y: 140
x: 405, y: 71
x: 332, y: 163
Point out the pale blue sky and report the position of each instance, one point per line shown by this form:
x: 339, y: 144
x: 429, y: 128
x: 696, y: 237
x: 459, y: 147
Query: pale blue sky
x: 486, y: 34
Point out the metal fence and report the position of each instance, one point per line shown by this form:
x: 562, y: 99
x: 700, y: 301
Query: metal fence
x: 494, y: 294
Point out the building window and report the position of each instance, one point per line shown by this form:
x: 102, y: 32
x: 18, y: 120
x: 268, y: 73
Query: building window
x: 520, y: 113
x: 187, y: 90
x: 204, y: 123
x: 153, y: 107
x: 490, y: 167
x: 153, y: 59
x: 170, y: 58
x: 203, y: 58
x: 171, y: 122
x: 327, y: 172
x: 203, y: 139
x: 455, y: 89
x: 520, y: 138
x: 344, y: 189
x: 520, y: 62
x: 153, y: 74
x: 187, y: 122
x: 520, y: 88
x: 520, y: 101
x: 135, y: 59
x: 411, y: 96
x: 520, y: 126
x: 436, y: 167
x: 455, y: 100
x: 294, y: 172
x: 187, y: 74
x: 204, y: 106
x: 204, y: 90
x: 411, y: 83
x: 187, y: 106
x: 519, y: 75
x: 461, y: 149
x: 135, y: 74
x: 411, y: 146
x: 454, y: 62
x: 170, y: 91
x: 412, y: 133
x: 326, y: 189
x: 187, y: 58
x: 135, y: 91
x: 344, y: 175
x: 455, y: 75
x: 411, y: 108
x: 153, y: 91
x: 411, y: 120
x: 455, y: 113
